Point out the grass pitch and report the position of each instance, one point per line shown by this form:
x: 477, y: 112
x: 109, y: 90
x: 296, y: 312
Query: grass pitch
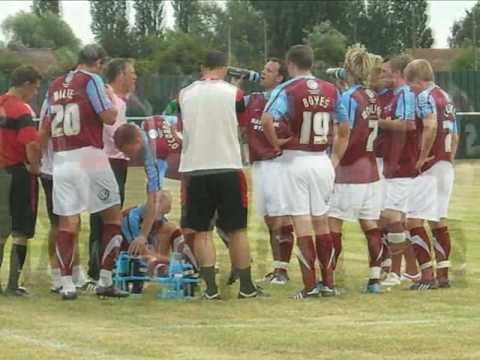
x: 442, y: 324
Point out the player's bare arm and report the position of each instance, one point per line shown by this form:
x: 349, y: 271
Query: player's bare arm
x: 109, y: 117
x: 340, y: 142
x: 396, y: 125
x: 428, y: 138
x: 151, y: 212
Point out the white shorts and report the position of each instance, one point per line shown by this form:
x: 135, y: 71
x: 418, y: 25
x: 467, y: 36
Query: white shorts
x: 381, y: 187
x: 266, y: 178
x: 83, y: 181
x: 350, y: 202
x: 397, y: 192
x: 307, y: 183
x: 422, y: 200
x: 443, y: 174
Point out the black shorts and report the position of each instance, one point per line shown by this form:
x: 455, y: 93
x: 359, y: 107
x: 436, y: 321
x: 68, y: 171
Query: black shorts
x: 23, y: 201
x: 5, y: 218
x: 47, y: 184
x: 224, y: 193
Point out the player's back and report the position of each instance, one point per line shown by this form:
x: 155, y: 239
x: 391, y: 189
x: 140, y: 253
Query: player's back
x: 311, y: 111
x: 358, y: 165
x: 75, y: 123
x: 403, y: 148
x: 445, y: 114
x: 161, y: 131
x: 385, y: 99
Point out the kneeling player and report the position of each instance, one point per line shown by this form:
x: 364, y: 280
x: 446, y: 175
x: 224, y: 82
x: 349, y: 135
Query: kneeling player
x: 357, y: 193
x: 163, y: 238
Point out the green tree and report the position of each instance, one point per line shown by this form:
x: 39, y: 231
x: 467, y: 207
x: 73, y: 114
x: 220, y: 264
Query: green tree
x: 148, y: 17
x: 287, y: 21
x: 186, y: 14
x: 179, y: 54
x: 111, y: 28
x: 46, y: 31
x: 462, y: 34
x: 379, y: 36
x: 355, y: 24
x: 410, y: 22
x: 41, y: 7
x: 329, y: 46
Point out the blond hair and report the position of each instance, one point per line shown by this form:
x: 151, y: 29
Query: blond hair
x: 358, y: 64
x: 419, y: 69
x: 374, y: 80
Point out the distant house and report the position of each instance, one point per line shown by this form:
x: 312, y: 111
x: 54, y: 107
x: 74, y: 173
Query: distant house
x: 439, y: 58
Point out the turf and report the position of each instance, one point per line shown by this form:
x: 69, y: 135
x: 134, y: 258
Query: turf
x: 442, y: 324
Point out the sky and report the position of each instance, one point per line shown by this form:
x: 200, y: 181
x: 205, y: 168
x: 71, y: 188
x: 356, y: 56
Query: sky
x: 76, y: 13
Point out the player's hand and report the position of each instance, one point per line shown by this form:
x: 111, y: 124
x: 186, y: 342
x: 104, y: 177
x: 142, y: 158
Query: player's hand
x: 282, y: 142
x: 33, y: 169
x: 138, y: 246
x: 236, y: 81
x: 422, y: 161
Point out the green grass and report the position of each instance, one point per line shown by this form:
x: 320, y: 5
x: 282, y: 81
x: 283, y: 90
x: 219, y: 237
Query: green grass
x: 442, y: 324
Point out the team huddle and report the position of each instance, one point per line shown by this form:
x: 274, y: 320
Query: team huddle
x: 376, y: 147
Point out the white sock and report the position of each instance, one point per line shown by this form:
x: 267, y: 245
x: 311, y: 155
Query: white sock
x: 105, y: 279
x: 56, y: 277
x: 78, y: 275
x: 67, y: 284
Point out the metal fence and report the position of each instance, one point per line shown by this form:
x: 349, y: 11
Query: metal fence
x: 154, y: 91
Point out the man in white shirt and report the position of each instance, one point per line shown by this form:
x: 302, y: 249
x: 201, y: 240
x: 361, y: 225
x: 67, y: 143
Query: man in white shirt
x: 212, y: 166
x: 121, y: 79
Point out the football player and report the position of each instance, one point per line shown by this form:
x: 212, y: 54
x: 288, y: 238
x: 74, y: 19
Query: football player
x: 433, y: 187
x: 357, y: 195
x: 399, y: 160
x: 267, y: 170
x: 82, y: 177
x: 309, y: 105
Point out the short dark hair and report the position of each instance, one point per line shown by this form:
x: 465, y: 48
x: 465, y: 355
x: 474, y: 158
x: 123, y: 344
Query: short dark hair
x: 400, y: 62
x: 91, y: 53
x: 126, y: 134
x: 283, y: 69
x: 301, y: 56
x: 116, y: 67
x: 215, y: 59
x: 24, y: 74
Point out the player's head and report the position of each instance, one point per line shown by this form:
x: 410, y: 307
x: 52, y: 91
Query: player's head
x: 274, y: 73
x: 120, y: 73
x: 93, y: 58
x: 128, y: 139
x: 299, y: 59
x: 398, y: 65
x: 387, y: 76
x: 164, y: 202
x: 215, y: 64
x: 26, y: 81
x: 376, y: 80
x: 419, y: 75
x: 358, y: 64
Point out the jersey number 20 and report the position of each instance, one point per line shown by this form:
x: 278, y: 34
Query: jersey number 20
x: 66, y: 121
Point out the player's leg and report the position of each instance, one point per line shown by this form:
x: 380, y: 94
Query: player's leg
x: 423, y: 252
x: 306, y: 255
x: 445, y: 176
x: 23, y: 204
x: 198, y: 210
x: 65, y: 250
x: 5, y: 216
x: 375, y: 249
x: 281, y: 243
x: 232, y: 194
